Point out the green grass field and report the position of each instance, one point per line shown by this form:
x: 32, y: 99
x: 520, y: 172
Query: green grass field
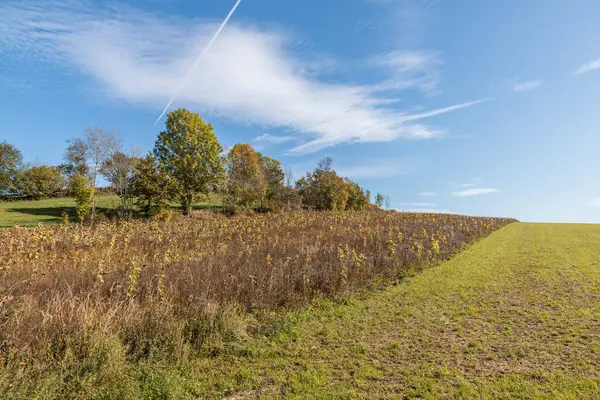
x: 32, y: 213
x: 515, y: 316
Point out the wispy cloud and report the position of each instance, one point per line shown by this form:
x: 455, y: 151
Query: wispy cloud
x: 250, y: 75
x: 467, y: 185
x: 409, y: 61
x: 379, y: 169
x: 595, y: 202
x: 418, y: 69
x: 427, y: 194
x: 274, y: 139
x: 417, y: 204
x: 474, y: 192
x: 587, y: 67
x: 385, y: 168
x: 527, y: 86
x: 426, y: 210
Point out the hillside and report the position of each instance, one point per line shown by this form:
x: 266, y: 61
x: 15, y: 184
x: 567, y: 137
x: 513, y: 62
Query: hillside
x: 513, y: 316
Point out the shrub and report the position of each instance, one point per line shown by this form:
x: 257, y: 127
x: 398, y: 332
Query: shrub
x: 83, y: 194
x: 42, y: 182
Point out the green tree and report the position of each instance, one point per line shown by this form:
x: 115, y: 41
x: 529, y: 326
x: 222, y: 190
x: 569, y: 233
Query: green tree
x: 151, y: 186
x: 11, y: 166
x: 357, y: 198
x: 85, y: 155
x: 246, y: 183
x: 277, y: 194
x: 42, y: 182
x: 83, y: 193
x: 379, y: 200
x: 323, y: 189
x: 189, y: 152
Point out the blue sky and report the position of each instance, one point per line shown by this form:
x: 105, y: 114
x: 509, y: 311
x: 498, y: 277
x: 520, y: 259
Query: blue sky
x: 475, y: 107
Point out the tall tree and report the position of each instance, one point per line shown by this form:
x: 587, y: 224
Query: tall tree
x: 289, y: 176
x: 11, y: 165
x: 189, y: 152
x: 75, y: 158
x: 119, y: 170
x: 323, y: 189
x: 86, y: 154
x: 275, y: 180
x: 246, y: 182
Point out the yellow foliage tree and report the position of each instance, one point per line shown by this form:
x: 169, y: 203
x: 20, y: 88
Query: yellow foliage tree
x: 246, y: 183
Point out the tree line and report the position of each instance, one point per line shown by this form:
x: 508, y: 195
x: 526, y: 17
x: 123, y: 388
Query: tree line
x: 186, y: 164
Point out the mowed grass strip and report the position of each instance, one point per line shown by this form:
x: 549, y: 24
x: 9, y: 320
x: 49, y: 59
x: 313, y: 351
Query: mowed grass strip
x: 515, y: 316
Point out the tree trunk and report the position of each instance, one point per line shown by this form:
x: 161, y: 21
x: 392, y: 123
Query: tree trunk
x: 187, y: 203
x: 94, y: 177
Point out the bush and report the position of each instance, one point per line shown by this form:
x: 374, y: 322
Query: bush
x: 84, y: 195
x: 42, y: 182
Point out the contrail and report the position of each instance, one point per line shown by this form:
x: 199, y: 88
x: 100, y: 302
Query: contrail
x: 206, y: 49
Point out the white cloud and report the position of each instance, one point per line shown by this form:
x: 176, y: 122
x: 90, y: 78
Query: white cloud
x: 273, y: 139
x: 380, y: 169
x: 467, y: 185
x: 410, y: 61
x: 526, y: 86
x: 474, y: 192
x: 249, y: 75
x: 427, y: 210
x: 410, y: 69
x: 595, y: 202
x: 590, y: 66
x: 385, y: 168
x: 427, y: 194
x: 418, y: 204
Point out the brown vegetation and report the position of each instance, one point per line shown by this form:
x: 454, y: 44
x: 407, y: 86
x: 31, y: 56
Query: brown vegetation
x: 170, y: 287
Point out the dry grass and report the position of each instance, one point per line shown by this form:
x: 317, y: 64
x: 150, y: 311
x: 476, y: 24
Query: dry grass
x: 77, y: 299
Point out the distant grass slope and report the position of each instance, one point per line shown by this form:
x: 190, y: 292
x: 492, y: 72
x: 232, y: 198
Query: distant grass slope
x: 34, y: 212
x: 31, y: 213
x: 515, y: 316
